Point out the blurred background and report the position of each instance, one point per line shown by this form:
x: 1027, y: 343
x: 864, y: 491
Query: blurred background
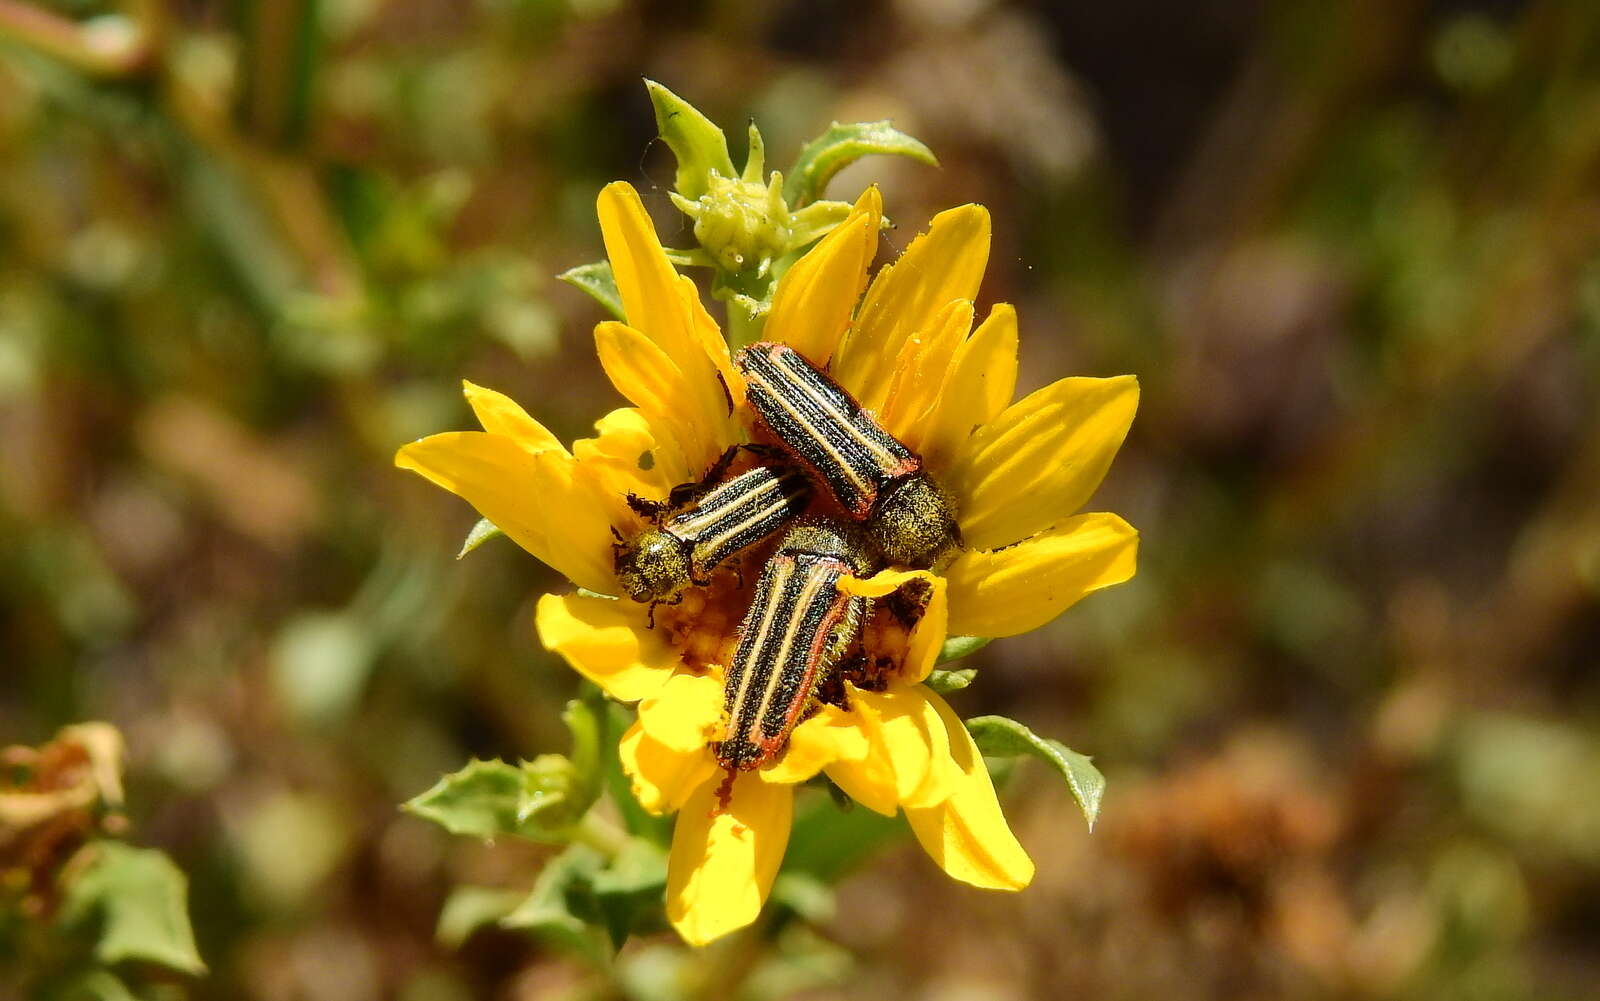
x: 1347, y: 710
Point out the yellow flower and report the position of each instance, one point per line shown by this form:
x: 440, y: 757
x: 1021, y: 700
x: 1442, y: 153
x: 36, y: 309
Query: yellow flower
x: 1017, y: 471
x: 908, y: 352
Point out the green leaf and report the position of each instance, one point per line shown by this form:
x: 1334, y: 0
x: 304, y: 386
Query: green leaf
x: 840, y: 146
x: 629, y: 892
x: 998, y: 736
x: 586, y: 722
x: 945, y: 682
x: 697, y: 143
x: 957, y: 647
x: 479, y: 801
x: 540, y: 799
x: 482, y: 532
x: 141, y: 900
x: 98, y: 985
x: 561, y: 906
x: 469, y: 908
x: 597, y: 281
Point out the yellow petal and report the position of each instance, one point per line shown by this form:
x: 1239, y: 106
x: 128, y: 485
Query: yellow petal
x: 829, y: 736
x: 1024, y: 586
x: 942, y: 264
x: 630, y: 455
x: 966, y: 834
x: 920, y: 370
x: 883, y: 583
x: 646, y: 280
x: 663, y: 779
x: 723, y: 861
x: 715, y: 346
x: 904, y: 727
x: 653, y: 299
x: 653, y: 382
x: 607, y: 642
x: 1040, y: 460
x: 982, y: 377
x: 684, y: 713
x: 500, y: 414
x: 869, y: 782
x: 928, y: 635
x: 541, y: 499
x: 816, y: 297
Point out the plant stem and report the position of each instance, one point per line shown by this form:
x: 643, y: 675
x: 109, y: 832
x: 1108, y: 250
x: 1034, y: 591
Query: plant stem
x: 599, y: 834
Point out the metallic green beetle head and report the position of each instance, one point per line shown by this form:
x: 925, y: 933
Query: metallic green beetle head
x: 914, y: 524
x: 653, y: 565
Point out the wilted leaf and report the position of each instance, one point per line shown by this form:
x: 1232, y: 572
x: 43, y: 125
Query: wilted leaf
x: 482, y: 532
x: 945, y: 682
x: 596, y: 281
x: 82, y: 766
x: 840, y: 146
x: 697, y: 143
x: 140, y: 898
x: 1001, y: 737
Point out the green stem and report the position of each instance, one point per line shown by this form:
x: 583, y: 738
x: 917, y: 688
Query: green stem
x: 744, y: 324
x: 600, y: 834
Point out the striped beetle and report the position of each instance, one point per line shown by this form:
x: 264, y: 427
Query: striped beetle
x: 700, y: 525
x: 798, y: 627
x: 875, y: 478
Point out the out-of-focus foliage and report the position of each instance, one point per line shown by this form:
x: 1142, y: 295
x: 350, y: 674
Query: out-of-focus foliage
x: 79, y: 909
x: 1347, y: 710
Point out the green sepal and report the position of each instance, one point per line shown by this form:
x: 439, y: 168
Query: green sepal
x: 598, y: 283
x: 698, y: 144
x: 998, y: 736
x: 561, y: 908
x: 482, y: 532
x: 945, y: 682
x: 957, y: 647
x: 141, y: 899
x: 540, y: 799
x: 840, y: 146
